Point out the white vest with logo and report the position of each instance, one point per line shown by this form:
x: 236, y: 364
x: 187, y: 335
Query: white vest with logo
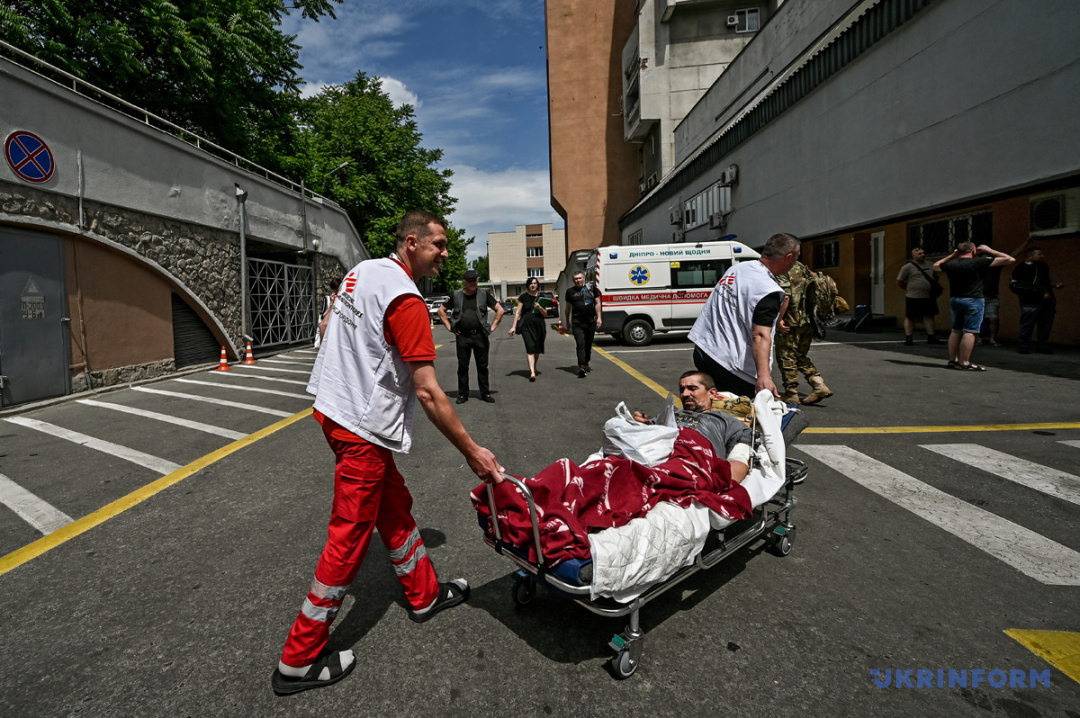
x: 724, y: 329
x: 359, y: 380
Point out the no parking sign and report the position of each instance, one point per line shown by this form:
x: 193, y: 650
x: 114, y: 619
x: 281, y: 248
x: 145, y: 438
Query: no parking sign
x: 29, y: 156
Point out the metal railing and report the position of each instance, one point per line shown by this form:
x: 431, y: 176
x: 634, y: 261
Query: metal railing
x: 150, y: 119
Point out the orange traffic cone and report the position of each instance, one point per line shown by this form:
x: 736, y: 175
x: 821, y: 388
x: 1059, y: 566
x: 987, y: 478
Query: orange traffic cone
x: 558, y: 327
x: 249, y: 359
x: 224, y: 364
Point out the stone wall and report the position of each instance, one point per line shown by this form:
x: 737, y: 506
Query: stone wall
x: 122, y: 375
x: 205, y: 260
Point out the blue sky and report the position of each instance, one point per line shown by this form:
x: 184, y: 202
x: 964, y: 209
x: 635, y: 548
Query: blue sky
x: 474, y: 71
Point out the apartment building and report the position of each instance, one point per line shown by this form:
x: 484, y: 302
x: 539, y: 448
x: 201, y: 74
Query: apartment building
x: 531, y: 250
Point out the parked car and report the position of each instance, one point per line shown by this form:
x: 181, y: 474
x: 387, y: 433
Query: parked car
x: 553, y: 310
x: 433, y: 304
x: 508, y: 307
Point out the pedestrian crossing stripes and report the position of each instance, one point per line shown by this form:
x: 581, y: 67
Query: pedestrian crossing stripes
x: 222, y: 385
x: 279, y: 361
x: 264, y: 378
x: 1030, y: 553
x: 122, y: 452
x: 39, y: 514
x: 1075, y: 444
x: 198, y: 426
x: 212, y: 400
x: 1026, y: 473
x: 272, y: 368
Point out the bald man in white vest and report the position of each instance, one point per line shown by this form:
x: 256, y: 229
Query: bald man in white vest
x: 734, y: 332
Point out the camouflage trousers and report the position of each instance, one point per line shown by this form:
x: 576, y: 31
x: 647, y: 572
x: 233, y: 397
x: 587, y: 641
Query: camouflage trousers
x: 791, y: 355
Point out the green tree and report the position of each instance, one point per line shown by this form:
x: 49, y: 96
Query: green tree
x: 480, y: 265
x: 220, y: 68
x: 388, y: 171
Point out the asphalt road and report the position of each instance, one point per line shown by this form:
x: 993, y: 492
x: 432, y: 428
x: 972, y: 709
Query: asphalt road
x: 179, y: 604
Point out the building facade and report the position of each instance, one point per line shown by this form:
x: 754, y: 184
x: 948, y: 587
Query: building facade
x: 125, y: 244
x: 868, y: 127
x: 531, y: 250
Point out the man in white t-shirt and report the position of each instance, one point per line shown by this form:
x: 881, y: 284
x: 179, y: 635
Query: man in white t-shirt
x: 734, y: 333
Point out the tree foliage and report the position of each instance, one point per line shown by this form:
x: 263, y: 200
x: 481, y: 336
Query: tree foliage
x: 480, y: 265
x: 220, y: 68
x: 224, y: 70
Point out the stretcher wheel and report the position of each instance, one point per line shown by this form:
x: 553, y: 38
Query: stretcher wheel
x: 524, y: 591
x: 781, y: 546
x: 625, y: 662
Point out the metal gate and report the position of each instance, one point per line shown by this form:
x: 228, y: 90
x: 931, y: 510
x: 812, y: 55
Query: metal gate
x: 34, y: 355
x: 282, y: 300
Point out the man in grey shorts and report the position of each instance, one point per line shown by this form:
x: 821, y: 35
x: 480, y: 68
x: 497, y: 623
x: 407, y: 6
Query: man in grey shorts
x: 914, y: 279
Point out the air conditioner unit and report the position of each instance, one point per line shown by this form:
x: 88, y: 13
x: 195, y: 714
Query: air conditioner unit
x: 678, y: 235
x: 643, y: 188
x: 732, y: 20
x: 730, y: 176
x: 675, y: 217
x: 717, y: 221
x: 651, y: 182
x: 1055, y: 213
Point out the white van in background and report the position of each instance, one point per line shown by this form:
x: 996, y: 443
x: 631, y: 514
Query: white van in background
x: 649, y: 288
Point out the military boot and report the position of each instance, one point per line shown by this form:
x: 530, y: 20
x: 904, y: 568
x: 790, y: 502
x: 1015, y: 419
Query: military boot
x: 820, y: 390
x: 791, y: 396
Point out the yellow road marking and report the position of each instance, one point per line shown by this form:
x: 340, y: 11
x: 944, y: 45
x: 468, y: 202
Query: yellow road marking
x: 46, y: 543
x: 1061, y: 649
x: 637, y: 375
x: 858, y: 429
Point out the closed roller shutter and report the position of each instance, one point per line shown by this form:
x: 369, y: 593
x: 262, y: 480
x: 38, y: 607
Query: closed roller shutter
x: 193, y: 342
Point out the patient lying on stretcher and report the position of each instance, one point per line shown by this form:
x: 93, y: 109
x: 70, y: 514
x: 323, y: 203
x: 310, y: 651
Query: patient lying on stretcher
x: 574, y: 501
x: 728, y: 435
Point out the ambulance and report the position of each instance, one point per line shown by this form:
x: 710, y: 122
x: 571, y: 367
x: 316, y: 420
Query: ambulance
x: 650, y: 288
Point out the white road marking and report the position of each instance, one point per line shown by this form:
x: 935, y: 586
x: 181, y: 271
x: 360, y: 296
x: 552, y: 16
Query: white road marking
x: 279, y: 361
x: 198, y: 426
x: 307, y: 397
x: 210, y: 400
x: 107, y: 447
x: 271, y: 368
x: 1026, y: 473
x: 267, y: 378
x: 302, y: 351
x: 43, y: 516
x: 1030, y: 553
x: 1075, y: 444
x: 840, y: 344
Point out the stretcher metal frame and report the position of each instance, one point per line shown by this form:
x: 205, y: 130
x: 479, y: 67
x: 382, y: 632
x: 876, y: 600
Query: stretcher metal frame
x: 771, y: 521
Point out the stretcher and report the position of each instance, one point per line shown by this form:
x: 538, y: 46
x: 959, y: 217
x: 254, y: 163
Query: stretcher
x: 772, y: 478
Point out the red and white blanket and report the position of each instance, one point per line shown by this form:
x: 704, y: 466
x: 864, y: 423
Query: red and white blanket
x: 572, y: 500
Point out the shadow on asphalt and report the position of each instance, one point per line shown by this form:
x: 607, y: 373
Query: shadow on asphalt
x: 572, y: 634
x: 1064, y: 363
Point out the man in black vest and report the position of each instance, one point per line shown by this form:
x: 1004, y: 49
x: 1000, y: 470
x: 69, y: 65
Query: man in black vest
x: 467, y: 320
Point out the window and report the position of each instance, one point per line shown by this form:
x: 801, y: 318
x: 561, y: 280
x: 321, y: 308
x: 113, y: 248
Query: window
x: 749, y: 20
x: 635, y: 238
x: 695, y: 275
x: 940, y: 236
x: 697, y: 209
x: 827, y: 254
x: 536, y: 272
x: 534, y: 251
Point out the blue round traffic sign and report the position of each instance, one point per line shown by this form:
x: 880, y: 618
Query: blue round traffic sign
x: 29, y: 156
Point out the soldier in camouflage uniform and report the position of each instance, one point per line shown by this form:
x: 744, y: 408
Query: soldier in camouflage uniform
x: 793, y: 339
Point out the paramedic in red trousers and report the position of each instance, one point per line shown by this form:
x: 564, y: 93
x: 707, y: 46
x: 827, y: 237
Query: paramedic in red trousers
x: 734, y: 332
x: 376, y: 361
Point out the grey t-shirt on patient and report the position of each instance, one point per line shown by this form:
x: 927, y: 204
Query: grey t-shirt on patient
x: 722, y: 430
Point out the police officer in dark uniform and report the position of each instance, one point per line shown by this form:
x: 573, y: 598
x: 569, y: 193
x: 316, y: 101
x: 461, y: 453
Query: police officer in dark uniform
x: 583, y: 308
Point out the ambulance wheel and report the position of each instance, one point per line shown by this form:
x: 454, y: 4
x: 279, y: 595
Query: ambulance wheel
x: 637, y: 332
x: 524, y: 591
x: 625, y: 662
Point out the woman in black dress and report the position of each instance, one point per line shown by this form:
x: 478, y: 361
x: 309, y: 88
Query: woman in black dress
x: 529, y: 323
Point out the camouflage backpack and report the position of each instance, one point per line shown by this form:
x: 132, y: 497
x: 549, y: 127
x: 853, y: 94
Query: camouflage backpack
x: 823, y: 302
